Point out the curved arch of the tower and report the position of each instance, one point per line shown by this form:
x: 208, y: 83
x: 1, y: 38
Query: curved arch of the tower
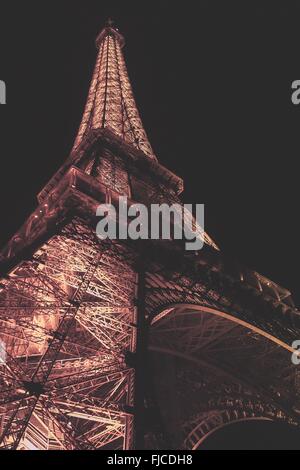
x: 89, y: 329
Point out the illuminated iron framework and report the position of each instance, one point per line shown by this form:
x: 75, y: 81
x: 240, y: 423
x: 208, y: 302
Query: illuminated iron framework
x: 112, y: 345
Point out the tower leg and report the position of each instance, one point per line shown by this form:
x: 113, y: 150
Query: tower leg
x: 141, y: 360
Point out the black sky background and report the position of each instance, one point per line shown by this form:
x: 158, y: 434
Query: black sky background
x: 212, y: 80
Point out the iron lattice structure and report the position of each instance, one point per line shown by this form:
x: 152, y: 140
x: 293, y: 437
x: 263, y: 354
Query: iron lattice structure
x: 121, y: 345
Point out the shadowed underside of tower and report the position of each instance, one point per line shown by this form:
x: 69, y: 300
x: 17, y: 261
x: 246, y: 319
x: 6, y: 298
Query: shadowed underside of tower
x: 120, y: 345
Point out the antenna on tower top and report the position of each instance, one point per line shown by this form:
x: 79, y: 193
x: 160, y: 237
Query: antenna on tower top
x: 110, y: 23
x: 110, y: 29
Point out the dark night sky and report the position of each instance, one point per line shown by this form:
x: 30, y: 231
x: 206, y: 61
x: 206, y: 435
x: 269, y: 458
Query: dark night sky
x: 213, y: 85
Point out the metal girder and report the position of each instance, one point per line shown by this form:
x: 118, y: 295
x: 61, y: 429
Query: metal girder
x: 102, y: 329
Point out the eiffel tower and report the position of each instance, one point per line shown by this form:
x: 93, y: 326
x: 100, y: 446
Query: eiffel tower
x: 131, y: 345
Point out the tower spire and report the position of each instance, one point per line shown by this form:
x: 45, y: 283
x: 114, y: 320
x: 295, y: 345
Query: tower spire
x: 110, y: 102
x: 109, y: 22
